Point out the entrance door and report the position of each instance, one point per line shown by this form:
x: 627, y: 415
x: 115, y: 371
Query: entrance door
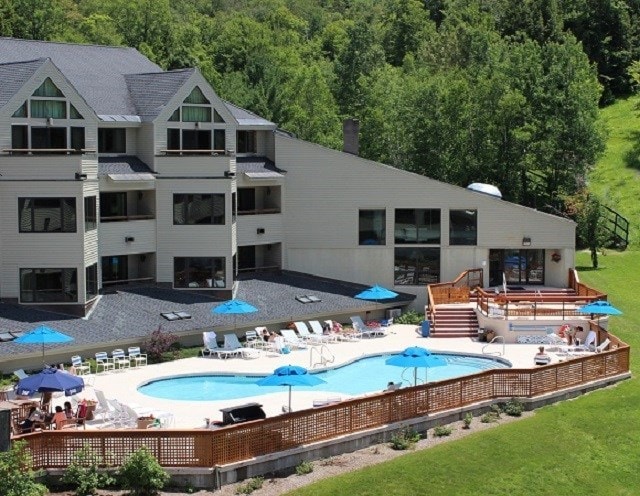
x: 518, y: 267
x: 115, y: 268
x: 246, y: 258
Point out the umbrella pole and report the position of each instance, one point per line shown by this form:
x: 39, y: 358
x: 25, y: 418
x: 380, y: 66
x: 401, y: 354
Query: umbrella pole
x: 289, y: 399
x: 415, y: 376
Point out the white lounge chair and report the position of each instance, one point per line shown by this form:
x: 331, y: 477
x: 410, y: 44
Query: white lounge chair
x: 316, y: 328
x: 589, y: 342
x: 365, y: 331
x: 292, y: 339
x: 211, y: 347
x: 305, y: 335
x: 20, y: 374
x: 232, y: 344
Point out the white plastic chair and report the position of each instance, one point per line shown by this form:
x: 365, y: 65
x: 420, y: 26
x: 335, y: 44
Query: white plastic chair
x: 136, y: 357
x: 104, y: 362
x: 81, y: 367
x: 120, y: 360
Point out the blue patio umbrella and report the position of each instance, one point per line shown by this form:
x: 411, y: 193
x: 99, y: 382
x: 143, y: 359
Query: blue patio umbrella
x: 50, y: 380
x: 415, y: 357
x: 599, y: 307
x: 234, y: 307
x: 376, y: 293
x: 43, y: 335
x: 290, y: 375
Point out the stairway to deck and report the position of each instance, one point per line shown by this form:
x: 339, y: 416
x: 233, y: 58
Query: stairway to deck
x: 455, y: 322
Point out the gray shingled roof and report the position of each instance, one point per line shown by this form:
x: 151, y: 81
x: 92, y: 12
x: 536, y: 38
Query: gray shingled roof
x: 247, y: 118
x: 133, y: 313
x: 97, y: 72
x: 256, y: 164
x: 152, y: 92
x: 122, y: 165
x: 15, y: 74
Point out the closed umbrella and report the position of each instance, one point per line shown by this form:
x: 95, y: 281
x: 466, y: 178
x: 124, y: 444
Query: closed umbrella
x: 416, y: 357
x: 290, y: 375
x: 43, y: 335
x: 234, y: 307
x: 50, y: 380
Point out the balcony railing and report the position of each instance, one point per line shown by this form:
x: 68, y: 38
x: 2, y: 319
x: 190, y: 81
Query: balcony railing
x: 259, y: 211
x: 46, y: 151
x: 125, y: 218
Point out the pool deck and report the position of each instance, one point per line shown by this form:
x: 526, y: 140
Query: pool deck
x: 122, y: 385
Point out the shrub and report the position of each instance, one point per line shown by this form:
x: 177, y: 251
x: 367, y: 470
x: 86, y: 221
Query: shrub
x: 160, y: 343
x: 16, y: 476
x: 142, y: 474
x: 82, y: 473
x: 489, y: 418
x: 466, y: 421
x: 250, y: 486
x: 404, y: 440
x: 513, y: 407
x: 304, y: 468
x: 496, y: 410
x: 411, y: 317
x: 442, y: 430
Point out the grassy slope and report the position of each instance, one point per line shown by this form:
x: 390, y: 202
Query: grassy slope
x: 588, y: 446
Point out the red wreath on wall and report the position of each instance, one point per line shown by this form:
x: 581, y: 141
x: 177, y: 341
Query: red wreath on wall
x: 556, y: 257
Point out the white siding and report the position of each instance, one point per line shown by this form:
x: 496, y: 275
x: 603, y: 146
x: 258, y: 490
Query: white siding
x: 194, y: 165
x: 91, y: 237
x: 247, y: 226
x: 113, y: 235
x: 146, y: 144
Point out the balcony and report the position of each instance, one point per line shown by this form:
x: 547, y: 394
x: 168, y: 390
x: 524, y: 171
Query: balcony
x: 124, y: 238
x: 43, y: 165
x: 194, y: 163
x: 127, y: 206
x: 259, y: 229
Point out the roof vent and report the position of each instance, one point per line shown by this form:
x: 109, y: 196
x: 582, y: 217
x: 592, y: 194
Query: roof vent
x: 487, y: 189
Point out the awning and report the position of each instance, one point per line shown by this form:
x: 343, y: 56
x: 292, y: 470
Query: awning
x: 131, y: 177
x: 263, y: 175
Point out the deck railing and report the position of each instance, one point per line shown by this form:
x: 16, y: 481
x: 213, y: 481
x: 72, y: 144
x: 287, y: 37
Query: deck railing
x: 456, y: 291
x: 208, y: 448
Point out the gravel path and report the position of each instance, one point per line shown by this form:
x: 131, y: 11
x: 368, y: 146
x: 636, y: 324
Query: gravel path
x: 330, y: 467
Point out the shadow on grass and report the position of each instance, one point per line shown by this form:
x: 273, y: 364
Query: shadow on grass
x: 632, y: 157
x: 585, y: 268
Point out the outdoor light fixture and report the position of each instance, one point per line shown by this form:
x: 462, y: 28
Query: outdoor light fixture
x: 81, y: 177
x: 260, y: 230
x: 230, y: 174
x: 129, y: 239
x: 526, y: 241
x: 556, y: 257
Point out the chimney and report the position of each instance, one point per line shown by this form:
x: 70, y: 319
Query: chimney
x: 351, y: 131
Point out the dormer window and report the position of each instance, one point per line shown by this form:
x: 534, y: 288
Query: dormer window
x: 197, y: 126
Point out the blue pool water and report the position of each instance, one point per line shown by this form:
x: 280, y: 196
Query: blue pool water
x: 366, y: 375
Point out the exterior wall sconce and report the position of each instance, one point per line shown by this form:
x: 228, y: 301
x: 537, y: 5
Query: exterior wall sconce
x: 197, y: 125
x: 229, y: 174
x: 260, y: 230
x: 526, y: 241
x: 556, y: 257
x: 81, y: 177
x: 49, y: 121
x: 129, y: 239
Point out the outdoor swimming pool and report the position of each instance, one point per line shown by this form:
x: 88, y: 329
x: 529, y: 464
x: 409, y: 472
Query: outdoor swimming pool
x: 366, y: 375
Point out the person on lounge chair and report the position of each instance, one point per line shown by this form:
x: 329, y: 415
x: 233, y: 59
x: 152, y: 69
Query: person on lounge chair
x: 541, y: 358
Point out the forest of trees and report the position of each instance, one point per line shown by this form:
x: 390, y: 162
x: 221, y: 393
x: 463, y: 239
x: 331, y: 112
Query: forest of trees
x: 499, y: 91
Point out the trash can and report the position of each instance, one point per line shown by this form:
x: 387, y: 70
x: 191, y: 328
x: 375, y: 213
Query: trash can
x: 426, y: 329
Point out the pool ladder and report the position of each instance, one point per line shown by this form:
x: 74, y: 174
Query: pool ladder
x: 497, y: 339
x: 323, y: 355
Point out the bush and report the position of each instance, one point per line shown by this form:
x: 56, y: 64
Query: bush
x: 496, y: 410
x: 142, y: 474
x: 411, y: 317
x: 513, y: 407
x: 82, y: 473
x: 442, y: 430
x: 489, y: 418
x: 404, y: 440
x: 304, y: 468
x: 160, y: 343
x: 16, y: 476
x: 466, y: 421
x: 250, y: 486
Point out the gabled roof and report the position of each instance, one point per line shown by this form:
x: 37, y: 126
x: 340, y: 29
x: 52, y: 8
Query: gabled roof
x: 97, y: 72
x: 247, y: 118
x: 151, y: 92
x: 14, y: 75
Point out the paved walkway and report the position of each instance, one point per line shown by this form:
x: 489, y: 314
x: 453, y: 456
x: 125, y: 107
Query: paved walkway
x: 122, y: 385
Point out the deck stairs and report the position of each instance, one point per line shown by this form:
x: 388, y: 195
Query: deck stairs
x: 457, y: 321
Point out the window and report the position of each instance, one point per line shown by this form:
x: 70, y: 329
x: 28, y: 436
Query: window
x: 113, y: 140
x: 44, y: 109
x: 48, y: 89
x: 173, y: 139
x: 113, y: 206
x: 246, y: 142
x: 219, y: 140
x: 47, y: 214
x: 91, y: 281
x: 196, y: 114
x: 234, y: 206
x: 198, y: 272
x: 193, y: 209
x: 115, y: 268
x: 196, y: 140
x: 19, y: 137
x: 49, y: 138
x: 90, y: 213
x: 463, y: 227
x: 417, y: 226
x: 48, y: 285
x: 73, y: 113
x: 372, y: 227
x: 77, y: 138
x: 416, y: 266
x: 196, y: 96
x: 22, y: 111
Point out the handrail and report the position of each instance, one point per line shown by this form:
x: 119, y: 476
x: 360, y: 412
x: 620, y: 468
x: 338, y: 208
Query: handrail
x: 323, y: 360
x: 123, y: 218
x: 137, y: 279
x: 496, y: 339
x: 258, y: 211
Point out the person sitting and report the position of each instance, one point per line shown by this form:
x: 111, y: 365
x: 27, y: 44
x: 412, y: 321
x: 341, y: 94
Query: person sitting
x: 578, y: 334
x: 541, y: 358
x: 392, y: 386
x: 33, y: 418
x: 266, y: 335
x: 68, y: 411
x: 59, y: 418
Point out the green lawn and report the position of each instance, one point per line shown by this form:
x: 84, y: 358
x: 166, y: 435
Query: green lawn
x: 588, y: 446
